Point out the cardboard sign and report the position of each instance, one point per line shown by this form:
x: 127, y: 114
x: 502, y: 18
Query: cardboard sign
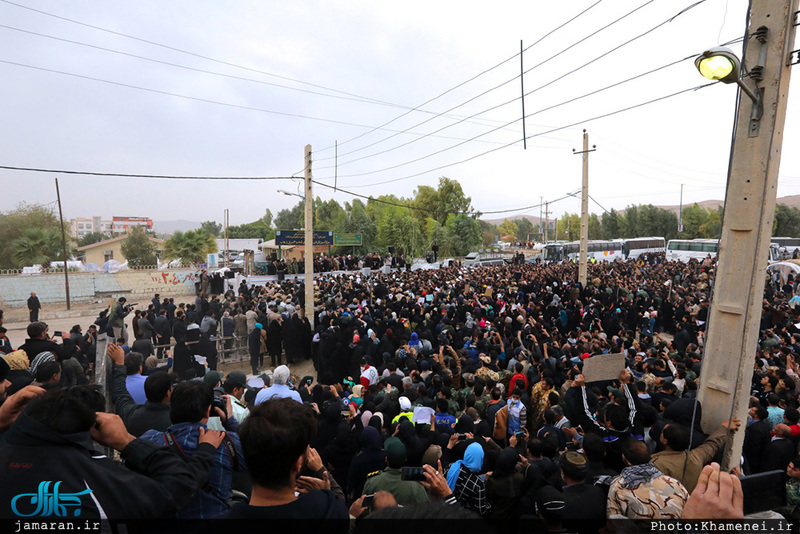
x: 603, y: 367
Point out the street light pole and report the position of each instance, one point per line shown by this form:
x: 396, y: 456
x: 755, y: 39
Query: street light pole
x: 734, y: 317
x: 309, y: 243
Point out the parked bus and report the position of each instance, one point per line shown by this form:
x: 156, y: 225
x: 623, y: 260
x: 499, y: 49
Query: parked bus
x: 634, y: 247
x: 686, y: 249
x: 599, y: 250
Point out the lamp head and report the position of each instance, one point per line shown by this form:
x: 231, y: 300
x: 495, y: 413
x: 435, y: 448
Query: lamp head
x: 719, y: 63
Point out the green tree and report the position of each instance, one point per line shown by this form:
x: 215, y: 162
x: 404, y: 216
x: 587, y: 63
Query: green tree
x: 787, y: 221
x: 15, y: 222
x: 358, y: 221
x: 439, y: 203
x: 91, y: 239
x: 291, y: 219
x: 137, y: 248
x: 464, y: 234
x: 213, y: 228
x: 525, y: 229
x: 37, y: 246
x: 328, y: 216
x: 595, y: 231
x: 507, y: 228
x: 190, y: 247
x: 490, y: 233
x: 610, y: 224
x: 712, y: 228
x: 694, y: 217
x: 569, y: 227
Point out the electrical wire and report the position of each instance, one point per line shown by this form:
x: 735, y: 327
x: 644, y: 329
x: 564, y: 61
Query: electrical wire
x: 496, y: 86
x: 193, y: 54
x: 572, y: 125
x: 548, y: 108
x: 231, y: 76
x: 158, y: 176
x: 209, y: 101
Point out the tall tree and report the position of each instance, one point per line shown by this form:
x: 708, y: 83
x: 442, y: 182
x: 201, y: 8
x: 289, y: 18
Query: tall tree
x: 291, y: 219
x: 439, y: 203
x: 525, y: 229
x: 787, y: 221
x: 610, y: 224
x: 137, y: 248
x: 190, y: 247
x: 464, y: 234
x: 213, y: 228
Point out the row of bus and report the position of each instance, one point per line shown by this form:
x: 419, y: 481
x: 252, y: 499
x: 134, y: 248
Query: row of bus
x: 675, y: 250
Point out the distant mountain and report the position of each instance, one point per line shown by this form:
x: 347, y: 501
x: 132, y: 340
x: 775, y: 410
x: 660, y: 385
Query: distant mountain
x: 170, y: 227
x: 792, y: 201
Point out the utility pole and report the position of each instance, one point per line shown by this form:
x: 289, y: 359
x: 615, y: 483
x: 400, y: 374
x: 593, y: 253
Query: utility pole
x: 583, y: 265
x: 680, y: 213
x: 63, y: 245
x: 734, y: 317
x: 541, y: 229
x: 309, y: 243
x: 546, y: 221
x: 227, y: 247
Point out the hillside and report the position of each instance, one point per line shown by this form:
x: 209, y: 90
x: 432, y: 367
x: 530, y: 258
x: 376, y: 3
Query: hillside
x: 792, y: 201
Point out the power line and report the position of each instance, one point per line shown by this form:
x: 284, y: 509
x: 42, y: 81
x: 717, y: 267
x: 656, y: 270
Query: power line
x: 454, y: 88
x: 224, y: 75
x: 207, y: 100
x: 548, y: 108
x: 542, y: 133
x: 194, y: 54
x: 629, y: 41
x: 495, y: 87
x: 159, y: 176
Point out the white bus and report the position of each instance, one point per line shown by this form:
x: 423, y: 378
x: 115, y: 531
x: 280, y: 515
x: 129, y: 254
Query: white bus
x: 633, y: 247
x: 599, y: 250
x: 686, y: 249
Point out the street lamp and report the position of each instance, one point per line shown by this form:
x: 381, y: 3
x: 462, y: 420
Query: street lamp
x: 721, y: 64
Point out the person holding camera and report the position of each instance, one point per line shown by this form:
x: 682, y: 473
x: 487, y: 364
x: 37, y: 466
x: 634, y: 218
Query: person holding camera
x: 191, y: 403
x: 116, y: 319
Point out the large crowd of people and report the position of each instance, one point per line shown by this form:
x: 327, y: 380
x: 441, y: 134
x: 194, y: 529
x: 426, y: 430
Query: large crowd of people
x: 450, y: 393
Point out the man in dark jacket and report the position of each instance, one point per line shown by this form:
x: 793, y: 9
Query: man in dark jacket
x: 584, y: 504
x: 780, y: 451
x: 163, y: 331
x: 39, y: 341
x: 254, y: 346
x: 52, y: 440
x: 275, y: 440
x: 33, y: 307
x: 189, y: 410
x: 139, y: 418
x: 756, y: 437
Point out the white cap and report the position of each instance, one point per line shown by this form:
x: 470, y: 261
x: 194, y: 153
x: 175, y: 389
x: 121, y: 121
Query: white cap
x: 405, y: 404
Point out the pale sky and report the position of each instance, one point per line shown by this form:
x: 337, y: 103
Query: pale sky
x: 399, y: 54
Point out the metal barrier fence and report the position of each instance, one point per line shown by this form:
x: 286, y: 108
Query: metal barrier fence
x: 237, y: 353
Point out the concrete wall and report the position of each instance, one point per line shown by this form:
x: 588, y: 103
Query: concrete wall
x: 88, y: 287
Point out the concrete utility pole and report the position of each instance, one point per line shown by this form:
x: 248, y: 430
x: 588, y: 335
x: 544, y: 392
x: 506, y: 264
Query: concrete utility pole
x: 546, y: 220
x: 583, y: 265
x: 734, y: 317
x: 309, y: 243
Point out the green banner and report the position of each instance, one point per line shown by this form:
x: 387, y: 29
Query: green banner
x: 347, y: 240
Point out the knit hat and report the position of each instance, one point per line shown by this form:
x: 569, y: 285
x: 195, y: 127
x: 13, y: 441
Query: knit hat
x: 395, y: 452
